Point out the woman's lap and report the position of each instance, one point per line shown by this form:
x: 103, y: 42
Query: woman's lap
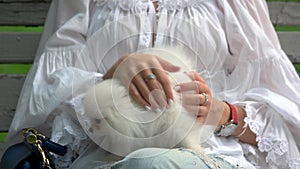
x: 156, y: 158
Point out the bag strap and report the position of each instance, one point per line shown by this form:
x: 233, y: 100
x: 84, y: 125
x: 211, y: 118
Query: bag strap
x: 41, y: 145
x: 34, y: 144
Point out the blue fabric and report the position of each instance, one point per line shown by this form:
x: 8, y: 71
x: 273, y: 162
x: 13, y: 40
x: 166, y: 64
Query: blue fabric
x: 156, y: 158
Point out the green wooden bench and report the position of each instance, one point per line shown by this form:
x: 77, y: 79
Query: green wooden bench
x: 20, y: 47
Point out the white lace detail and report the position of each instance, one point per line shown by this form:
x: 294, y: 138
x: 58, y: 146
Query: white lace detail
x: 78, y: 107
x: 294, y: 163
x: 67, y: 132
x: 64, y: 162
x: 174, y: 4
x: 274, y: 148
x: 254, y: 126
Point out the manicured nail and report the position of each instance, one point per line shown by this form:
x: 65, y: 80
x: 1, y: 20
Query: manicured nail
x: 158, y: 110
x: 147, y: 108
x: 170, y: 102
x: 177, y: 88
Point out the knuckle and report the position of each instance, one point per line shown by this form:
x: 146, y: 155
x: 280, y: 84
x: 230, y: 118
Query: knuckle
x: 142, y: 67
x: 131, y: 73
x: 198, y: 83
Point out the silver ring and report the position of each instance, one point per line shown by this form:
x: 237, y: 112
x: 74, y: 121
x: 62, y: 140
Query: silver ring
x: 150, y: 77
x: 205, y: 99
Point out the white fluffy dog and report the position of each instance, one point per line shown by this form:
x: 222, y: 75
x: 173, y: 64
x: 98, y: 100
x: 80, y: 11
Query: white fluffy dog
x: 116, y: 116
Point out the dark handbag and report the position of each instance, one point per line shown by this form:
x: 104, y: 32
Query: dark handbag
x: 32, y: 153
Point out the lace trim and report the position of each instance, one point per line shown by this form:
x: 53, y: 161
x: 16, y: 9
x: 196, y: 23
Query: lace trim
x: 63, y: 162
x: 66, y: 132
x: 274, y: 147
x: 254, y: 126
x: 294, y: 163
x: 172, y: 5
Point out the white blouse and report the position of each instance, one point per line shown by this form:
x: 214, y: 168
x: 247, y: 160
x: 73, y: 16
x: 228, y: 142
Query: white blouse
x: 232, y: 45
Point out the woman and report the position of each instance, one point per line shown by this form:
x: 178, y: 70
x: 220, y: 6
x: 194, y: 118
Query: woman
x: 236, y: 57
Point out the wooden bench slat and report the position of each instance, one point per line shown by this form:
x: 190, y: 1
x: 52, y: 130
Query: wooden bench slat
x: 10, y: 87
x: 25, y: 0
x: 285, y: 13
x: 290, y: 44
x: 31, y: 13
x: 6, y: 118
x: 18, y: 47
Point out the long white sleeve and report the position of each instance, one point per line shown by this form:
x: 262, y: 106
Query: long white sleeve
x: 54, y: 73
x: 268, y: 85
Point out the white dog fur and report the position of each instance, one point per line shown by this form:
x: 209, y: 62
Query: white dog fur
x: 109, y: 102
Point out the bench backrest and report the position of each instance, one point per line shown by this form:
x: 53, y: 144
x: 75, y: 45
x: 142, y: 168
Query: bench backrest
x: 20, y: 47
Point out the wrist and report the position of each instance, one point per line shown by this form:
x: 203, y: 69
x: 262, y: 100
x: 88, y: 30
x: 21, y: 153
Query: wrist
x: 242, y: 125
x: 226, y: 115
x: 228, y: 122
x: 110, y: 73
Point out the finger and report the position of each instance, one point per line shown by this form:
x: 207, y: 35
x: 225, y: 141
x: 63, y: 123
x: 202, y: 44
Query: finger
x: 144, y: 91
x: 153, y: 84
x: 150, y: 89
x: 201, y: 119
x: 195, y: 76
x: 163, y: 78
x: 137, y: 97
x: 195, y: 99
x: 157, y: 100
x: 196, y: 110
x: 190, y: 99
x: 195, y: 86
x: 156, y: 94
x: 204, y: 99
x: 167, y: 65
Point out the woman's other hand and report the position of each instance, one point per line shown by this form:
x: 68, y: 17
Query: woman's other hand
x: 196, y: 96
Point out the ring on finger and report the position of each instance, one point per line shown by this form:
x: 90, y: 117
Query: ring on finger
x: 150, y: 77
x: 205, y: 99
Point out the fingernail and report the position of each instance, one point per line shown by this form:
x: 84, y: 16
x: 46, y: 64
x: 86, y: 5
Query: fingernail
x: 170, y: 102
x: 158, y: 110
x: 147, y: 108
x: 177, y: 88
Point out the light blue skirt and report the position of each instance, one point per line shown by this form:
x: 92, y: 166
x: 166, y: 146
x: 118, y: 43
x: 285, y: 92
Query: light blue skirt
x: 157, y: 158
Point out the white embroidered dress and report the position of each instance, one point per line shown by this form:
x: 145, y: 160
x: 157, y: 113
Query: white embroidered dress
x: 233, y: 46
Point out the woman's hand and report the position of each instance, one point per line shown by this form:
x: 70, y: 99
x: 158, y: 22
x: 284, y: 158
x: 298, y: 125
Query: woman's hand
x: 146, y: 78
x: 196, y: 96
